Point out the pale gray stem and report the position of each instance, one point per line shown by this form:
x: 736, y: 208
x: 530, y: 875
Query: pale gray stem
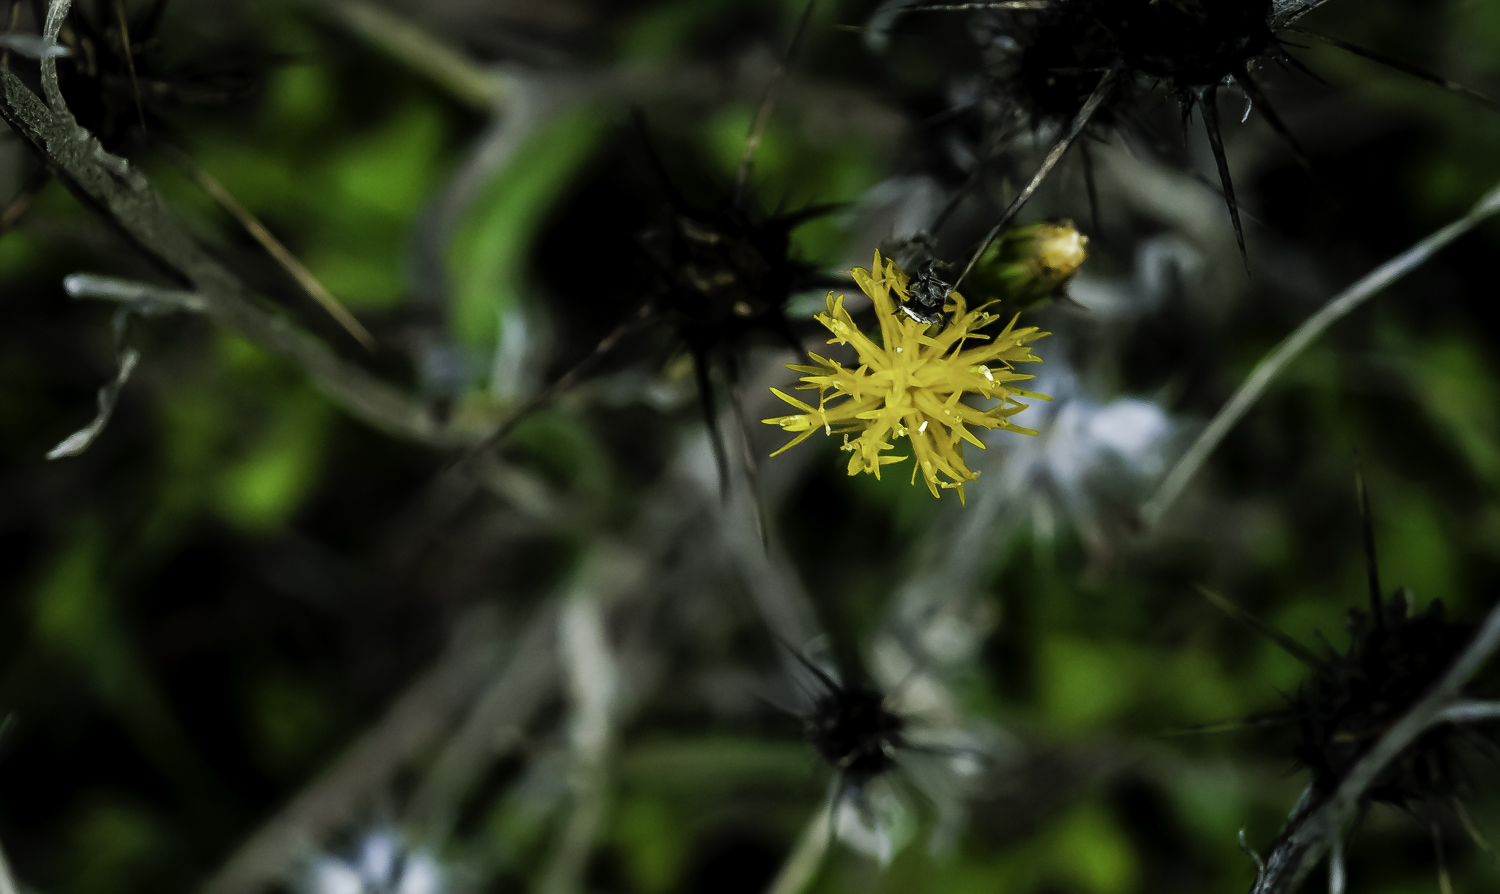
x: 32, y: 46
x: 465, y: 79
x: 1313, y: 827
x: 57, y: 13
x: 803, y: 862
x: 1336, y: 864
x: 7, y: 881
x: 108, y: 398
x: 414, y: 723
x: 142, y: 298
x: 1283, y: 354
x: 1471, y: 712
x: 494, y: 727
x: 593, y: 674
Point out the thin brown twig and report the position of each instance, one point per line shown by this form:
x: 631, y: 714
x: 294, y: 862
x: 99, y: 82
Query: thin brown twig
x: 273, y: 246
x: 135, y: 84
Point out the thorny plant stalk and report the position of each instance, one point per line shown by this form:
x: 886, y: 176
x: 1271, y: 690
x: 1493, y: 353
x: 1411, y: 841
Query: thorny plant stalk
x: 1313, y: 829
x: 592, y: 675
x: 1274, y: 363
x: 590, y: 668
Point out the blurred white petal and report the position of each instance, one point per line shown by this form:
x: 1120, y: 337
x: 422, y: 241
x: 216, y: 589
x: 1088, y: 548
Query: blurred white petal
x: 421, y: 875
x: 330, y: 876
x: 875, y: 820
x: 377, y: 858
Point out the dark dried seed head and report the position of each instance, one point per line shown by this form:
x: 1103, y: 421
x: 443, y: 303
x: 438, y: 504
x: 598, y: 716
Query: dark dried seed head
x: 854, y: 731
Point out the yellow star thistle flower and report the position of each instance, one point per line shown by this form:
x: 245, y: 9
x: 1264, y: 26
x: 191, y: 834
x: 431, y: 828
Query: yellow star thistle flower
x: 911, y: 383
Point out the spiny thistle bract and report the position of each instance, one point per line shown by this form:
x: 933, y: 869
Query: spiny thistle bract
x: 1050, y: 63
x: 854, y: 731
x: 1069, y: 51
x: 911, y: 385
x: 1352, y: 699
x: 724, y: 275
x: 1187, y: 43
x: 727, y: 273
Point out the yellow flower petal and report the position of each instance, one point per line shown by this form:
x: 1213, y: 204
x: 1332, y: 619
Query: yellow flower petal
x: 911, y: 384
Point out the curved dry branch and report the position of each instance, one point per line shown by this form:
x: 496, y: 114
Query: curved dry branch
x: 112, y: 185
x: 1283, y: 354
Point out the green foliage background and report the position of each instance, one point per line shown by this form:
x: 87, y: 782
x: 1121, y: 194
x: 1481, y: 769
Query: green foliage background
x: 196, y: 621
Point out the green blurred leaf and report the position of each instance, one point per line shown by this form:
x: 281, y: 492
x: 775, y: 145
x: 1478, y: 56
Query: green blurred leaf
x: 489, y: 254
x: 1088, y: 847
x: 265, y: 485
x: 118, y: 844
x: 288, y: 723
x: 651, y: 842
x: 1084, y: 684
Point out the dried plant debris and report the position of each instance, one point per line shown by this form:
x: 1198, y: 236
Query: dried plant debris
x: 117, y: 79
x: 113, y: 74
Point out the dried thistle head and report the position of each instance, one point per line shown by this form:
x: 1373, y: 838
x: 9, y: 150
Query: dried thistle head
x: 1051, y: 64
x: 1188, y: 43
x: 854, y: 731
x: 1352, y: 699
x: 725, y: 274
